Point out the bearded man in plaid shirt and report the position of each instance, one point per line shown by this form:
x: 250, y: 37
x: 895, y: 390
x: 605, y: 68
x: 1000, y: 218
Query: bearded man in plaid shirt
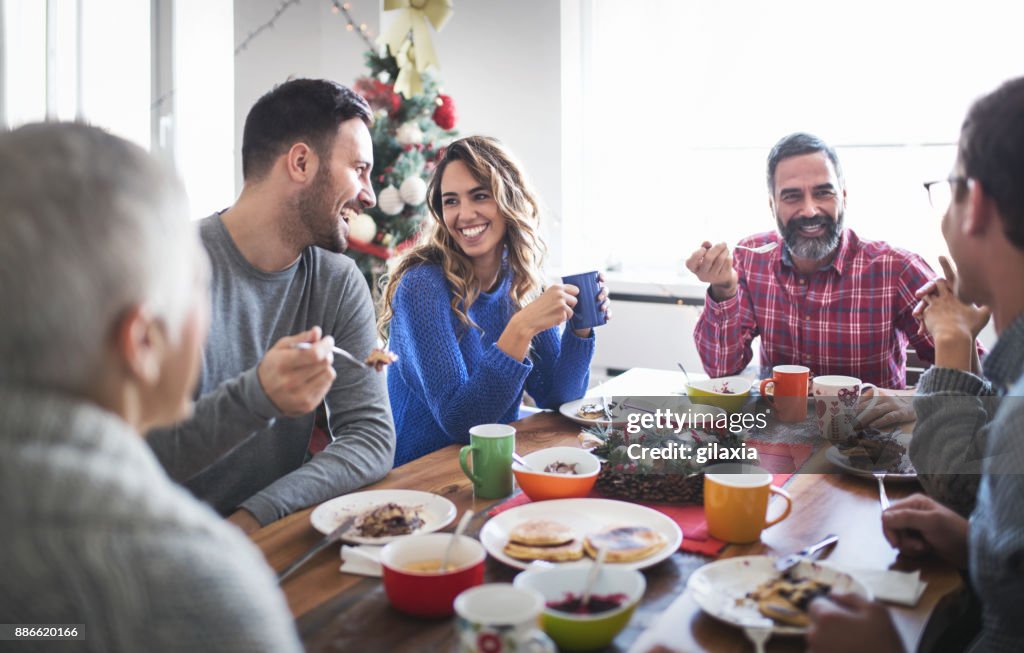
x: 825, y: 298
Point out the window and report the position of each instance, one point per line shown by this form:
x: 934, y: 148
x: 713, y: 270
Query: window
x: 675, y: 106
x: 87, y: 59
x: 94, y: 60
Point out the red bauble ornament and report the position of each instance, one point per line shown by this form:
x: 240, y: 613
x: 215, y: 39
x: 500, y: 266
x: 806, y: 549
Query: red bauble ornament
x: 444, y: 114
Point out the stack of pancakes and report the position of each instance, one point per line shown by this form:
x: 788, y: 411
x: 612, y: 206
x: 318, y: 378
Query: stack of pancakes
x: 542, y: 539
x: 625, y: 543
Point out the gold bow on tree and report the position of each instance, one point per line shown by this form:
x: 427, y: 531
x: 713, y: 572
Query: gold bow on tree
x: 408, y: 82
x: 414, y: 15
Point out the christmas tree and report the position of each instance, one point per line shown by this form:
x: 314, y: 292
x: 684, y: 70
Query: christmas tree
x: 409, y: 132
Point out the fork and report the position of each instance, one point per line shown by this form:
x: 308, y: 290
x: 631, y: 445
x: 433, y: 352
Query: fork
x: 337, y: 350
x: 883, y: 498
x: 758, y: 634
x: 767, y: 247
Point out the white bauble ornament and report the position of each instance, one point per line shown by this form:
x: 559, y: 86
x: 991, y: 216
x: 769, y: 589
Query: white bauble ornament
x: 409, y: 134
x: 390, y: 201
x: 413, y: 191
x: 362, y: 228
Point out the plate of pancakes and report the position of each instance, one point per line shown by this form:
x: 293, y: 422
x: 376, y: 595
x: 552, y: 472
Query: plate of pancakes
x: 747, y: 591
x: 572, y: 531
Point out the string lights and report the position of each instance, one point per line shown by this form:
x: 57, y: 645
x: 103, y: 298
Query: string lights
x: 285, y: 6
x: 352, y: 25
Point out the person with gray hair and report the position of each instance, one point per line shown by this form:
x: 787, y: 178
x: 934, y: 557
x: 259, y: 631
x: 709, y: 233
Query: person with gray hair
x: 814, y: 291
x: 103, y: 289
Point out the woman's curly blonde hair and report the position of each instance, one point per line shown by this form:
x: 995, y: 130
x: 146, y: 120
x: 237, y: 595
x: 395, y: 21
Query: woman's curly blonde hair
x: 492, y: 166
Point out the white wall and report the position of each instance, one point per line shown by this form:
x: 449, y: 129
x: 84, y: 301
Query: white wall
x: 500, y: 64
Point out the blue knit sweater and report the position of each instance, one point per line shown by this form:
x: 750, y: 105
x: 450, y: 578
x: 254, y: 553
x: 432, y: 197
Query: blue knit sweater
x: 449, y: 378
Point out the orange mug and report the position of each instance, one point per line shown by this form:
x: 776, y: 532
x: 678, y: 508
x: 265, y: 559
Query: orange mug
x: 736, y: 502
x: 790, y: 385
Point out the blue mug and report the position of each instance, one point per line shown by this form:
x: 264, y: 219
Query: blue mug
x: 587, y: 312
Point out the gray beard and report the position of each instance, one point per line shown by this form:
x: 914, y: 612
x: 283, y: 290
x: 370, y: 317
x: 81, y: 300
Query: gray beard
x: 813, y: 249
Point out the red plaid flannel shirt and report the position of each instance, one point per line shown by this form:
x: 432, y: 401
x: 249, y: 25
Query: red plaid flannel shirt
x: 852, y: 317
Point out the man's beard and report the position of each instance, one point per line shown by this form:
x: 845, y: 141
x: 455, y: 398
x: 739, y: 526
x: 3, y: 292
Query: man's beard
x: 813, y: 249
x: 316, y: 210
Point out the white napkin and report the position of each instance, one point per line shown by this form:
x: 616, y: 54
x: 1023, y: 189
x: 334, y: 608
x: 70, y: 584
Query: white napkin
x: 362, y: 560
x: 900, y: 587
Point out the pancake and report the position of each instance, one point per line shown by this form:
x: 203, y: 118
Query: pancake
x: 572, y: 550
x: 625, y: 543
x: 541, y: 532
x: 787, y: 599
x: 591, y: 411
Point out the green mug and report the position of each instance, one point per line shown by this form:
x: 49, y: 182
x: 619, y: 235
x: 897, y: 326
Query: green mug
x: 492, y: 446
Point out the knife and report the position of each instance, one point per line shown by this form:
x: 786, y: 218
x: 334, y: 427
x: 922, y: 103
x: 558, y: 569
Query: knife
x: 332, y: 537
x: 784, y: 564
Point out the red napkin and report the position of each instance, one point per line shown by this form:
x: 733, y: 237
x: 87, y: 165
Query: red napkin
x: 779, y: 458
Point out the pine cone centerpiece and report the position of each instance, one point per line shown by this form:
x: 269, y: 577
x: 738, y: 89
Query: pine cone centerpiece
x: 675, y: 474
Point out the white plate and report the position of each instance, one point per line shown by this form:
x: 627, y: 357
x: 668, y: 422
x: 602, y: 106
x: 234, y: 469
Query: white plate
x: 436, y: 511
x: 720, y: 588
x: 843, y: 463
x: 585, y: 516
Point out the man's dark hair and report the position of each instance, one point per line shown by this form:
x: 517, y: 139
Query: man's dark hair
x: 796, y: 145
x: 300, y: 110
x: 992, y: 152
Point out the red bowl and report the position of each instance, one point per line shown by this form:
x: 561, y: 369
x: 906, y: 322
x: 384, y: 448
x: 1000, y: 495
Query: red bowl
x: 430, y: 594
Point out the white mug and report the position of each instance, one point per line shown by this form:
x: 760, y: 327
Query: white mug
x: 500, y: 618
x: 835, y: 404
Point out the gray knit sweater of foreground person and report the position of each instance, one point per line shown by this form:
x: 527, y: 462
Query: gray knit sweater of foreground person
x: 238, y: 451
x: 96, y: 534
x: 954, y: 420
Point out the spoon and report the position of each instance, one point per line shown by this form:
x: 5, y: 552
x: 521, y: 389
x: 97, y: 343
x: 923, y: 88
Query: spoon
x: 522, y: 461
x: 595, y: 571
x: 684, y: 373
x: 463, y: 523
x: 767, y: 247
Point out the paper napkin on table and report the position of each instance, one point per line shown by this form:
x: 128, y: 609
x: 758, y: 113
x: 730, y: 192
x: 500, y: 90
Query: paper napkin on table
x: 362, y: 560
x: 900, y: 587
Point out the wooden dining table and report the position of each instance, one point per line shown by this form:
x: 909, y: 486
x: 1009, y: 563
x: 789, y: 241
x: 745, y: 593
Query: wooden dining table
x: 336, y: 611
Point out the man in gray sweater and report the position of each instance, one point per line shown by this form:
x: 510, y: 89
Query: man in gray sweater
x: 104, y: 311
x: 983, y: 225
x: 280, y: 280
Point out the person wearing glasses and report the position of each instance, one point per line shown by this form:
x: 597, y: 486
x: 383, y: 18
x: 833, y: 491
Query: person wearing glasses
x: 823, y: 297
x: 983, y: 226
x: 104, y: 289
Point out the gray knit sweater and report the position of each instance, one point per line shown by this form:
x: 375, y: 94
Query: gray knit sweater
x: 954, y: 418
x: 96, y: 534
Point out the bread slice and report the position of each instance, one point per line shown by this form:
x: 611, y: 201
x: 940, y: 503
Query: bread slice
x: 625, y: 543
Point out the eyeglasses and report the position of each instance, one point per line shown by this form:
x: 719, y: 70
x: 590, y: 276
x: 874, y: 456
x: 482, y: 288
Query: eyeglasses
x: 940, y: 193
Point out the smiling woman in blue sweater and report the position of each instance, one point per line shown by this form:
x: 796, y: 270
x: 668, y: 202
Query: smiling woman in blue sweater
x: 465, y: 313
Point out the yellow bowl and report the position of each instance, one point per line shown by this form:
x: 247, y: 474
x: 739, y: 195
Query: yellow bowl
x: 710, y: 392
